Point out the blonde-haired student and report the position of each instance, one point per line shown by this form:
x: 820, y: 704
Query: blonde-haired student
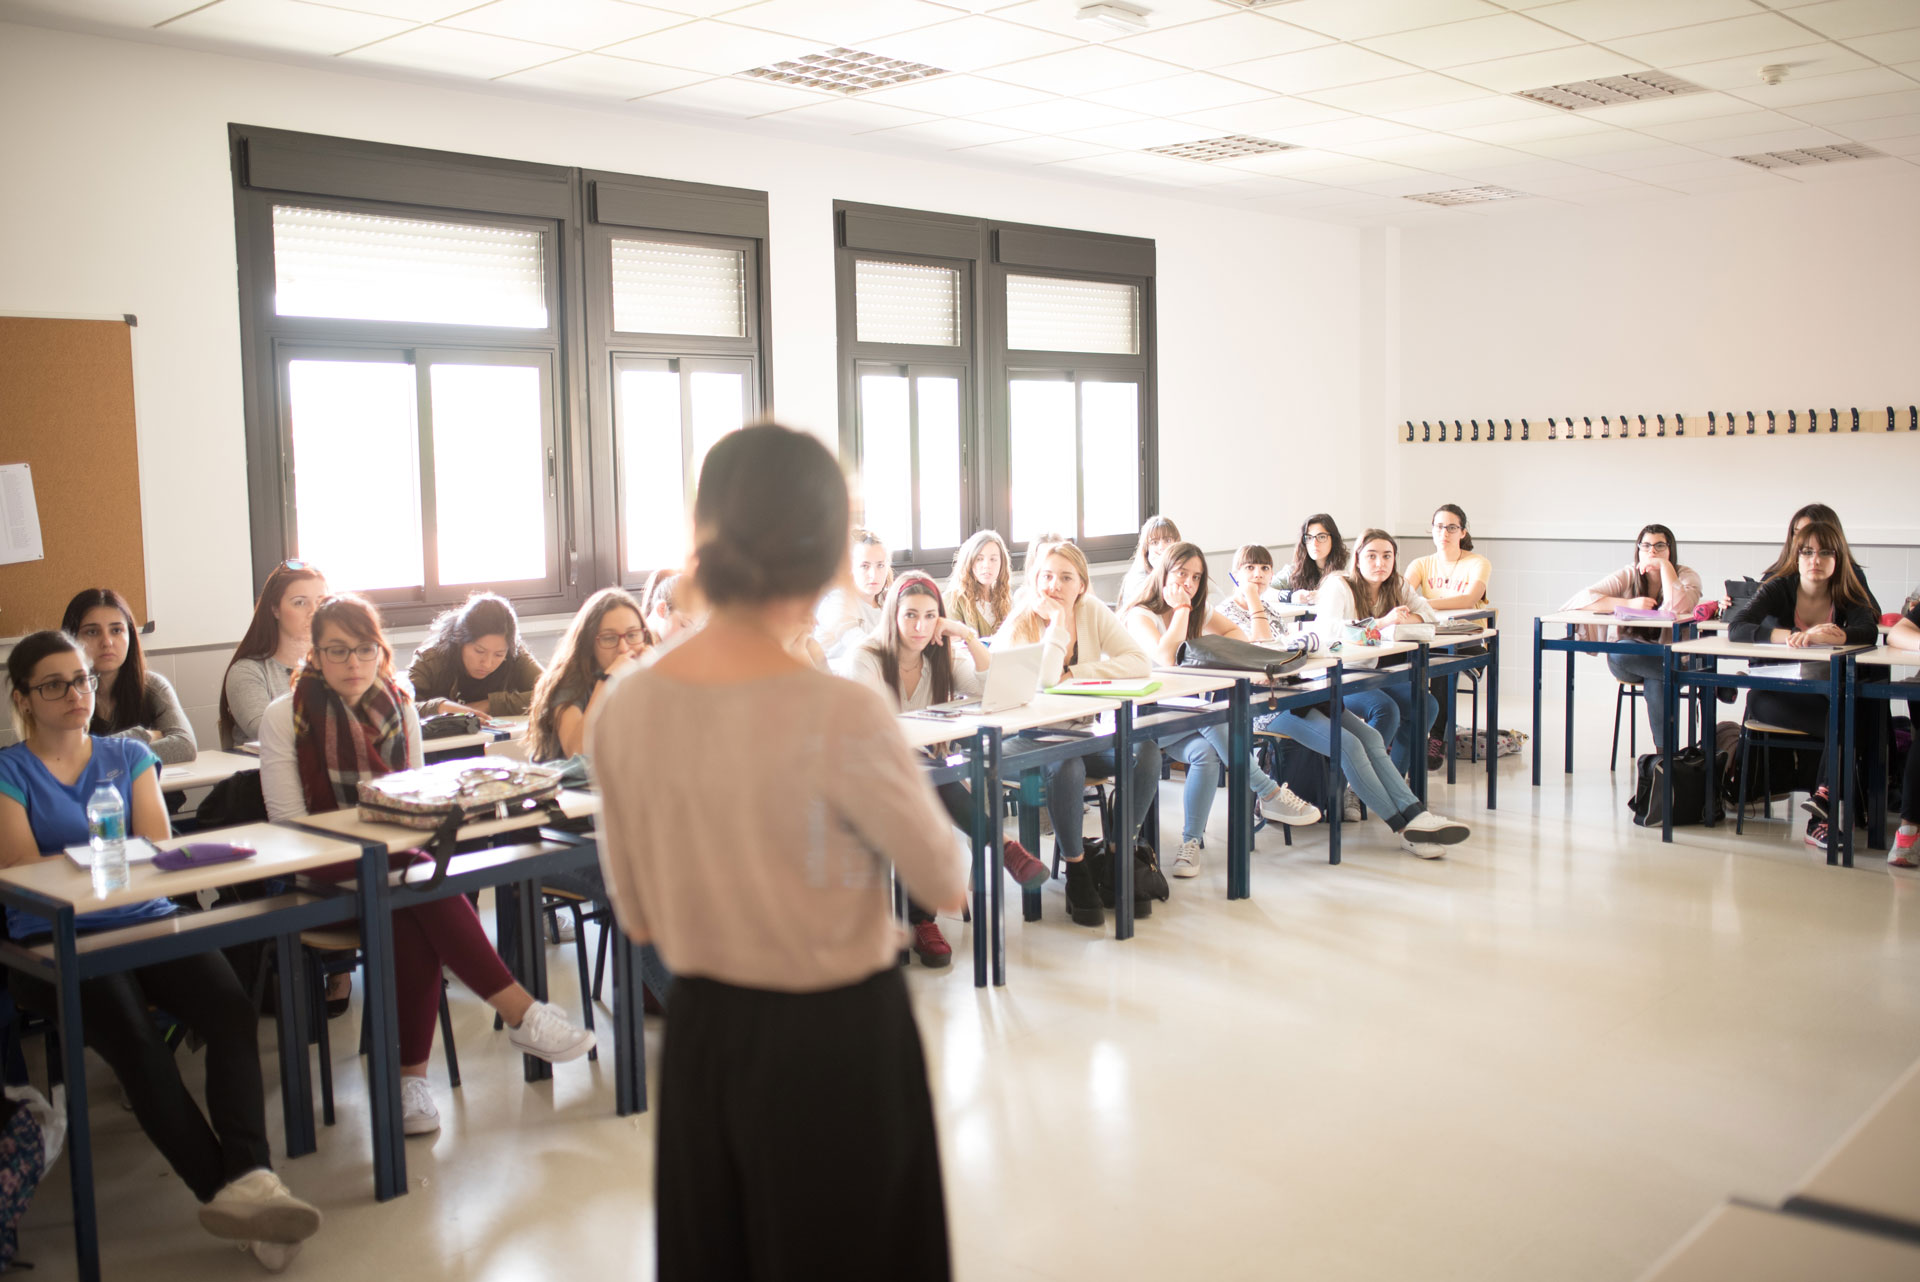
x: 980, y: 591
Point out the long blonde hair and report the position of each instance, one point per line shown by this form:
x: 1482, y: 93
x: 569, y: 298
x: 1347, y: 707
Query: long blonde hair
x: 1025, y: 625
x: 962, y: 584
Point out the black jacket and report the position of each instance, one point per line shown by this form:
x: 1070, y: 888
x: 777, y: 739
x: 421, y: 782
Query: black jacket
x: 1773, y: 606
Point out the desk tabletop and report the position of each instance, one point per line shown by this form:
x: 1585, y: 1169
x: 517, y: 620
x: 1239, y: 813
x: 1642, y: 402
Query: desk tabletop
x: 1871, y: 1169
x: 1721, y: 625
x: 1761, y: 651
x: 282, y: 853
x: 1596, y: 619
x: 1470, y: 612
x: 349, y: 825
x: 1753, y: 1245
x: 207, y: 769
x: 1887, y: 657
x: 1448, y: 640
x: 926, y: 732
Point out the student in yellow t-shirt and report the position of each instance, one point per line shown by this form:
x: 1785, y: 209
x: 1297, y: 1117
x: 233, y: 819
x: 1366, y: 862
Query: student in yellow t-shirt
x: 1455, y: 576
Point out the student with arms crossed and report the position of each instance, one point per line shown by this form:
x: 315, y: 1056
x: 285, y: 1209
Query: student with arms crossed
x: 473, y: 661
x: 1654, y: 580
x: 132, y: 702
x: 277, y: 639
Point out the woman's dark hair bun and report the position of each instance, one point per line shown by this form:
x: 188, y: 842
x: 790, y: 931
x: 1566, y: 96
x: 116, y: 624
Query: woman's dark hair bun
x: 729, y: 572
x: 770, y: 518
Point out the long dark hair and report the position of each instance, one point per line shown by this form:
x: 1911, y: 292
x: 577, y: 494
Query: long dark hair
x: 484, y: 614
x: 262, y: 638
x: 1642, y: 584
x: 25, y: 656
x: 1305, y: 572
x: 1466, y: 533
x: 129, y: 690
x: 770, y: 518
x: 1787, y: 561
x: 573, y: 668
x: 885, y: 642
x: 1848, y: 589
x: 1158, y: 529
x: 1370, y: 602
x: 1153, y: 593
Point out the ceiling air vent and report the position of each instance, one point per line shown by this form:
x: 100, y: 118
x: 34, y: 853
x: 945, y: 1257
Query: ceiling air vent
x: 1610, y: 91
x: 844, y: 71
x: 1222, y: 148
x: 1811, y: 156
x: 1467, y: 196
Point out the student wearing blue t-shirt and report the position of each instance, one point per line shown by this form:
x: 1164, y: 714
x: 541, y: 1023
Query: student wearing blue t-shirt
x: 45, y: 781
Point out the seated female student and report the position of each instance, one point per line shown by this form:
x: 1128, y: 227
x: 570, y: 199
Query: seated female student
x: 345, y: 720
x: 1455, y: 576
x: 1654, y: 580
x: 1156, y: 536
x: 1906, y: 841
x: 1783, y: 562
x: 980, y: 591
x: 845, y: 618
x: 472, y: 660
x: 1373, y: 589
x: 1080, y: 637
x: 916, y: 658
x: 46, y: 781
x: 1250, y: 608
x: 1821, y: 601
x: 1169, y: 611
x: 280, y: 635
x: 1320, y: 552
x: 132, y: 702
x: 666, y: 601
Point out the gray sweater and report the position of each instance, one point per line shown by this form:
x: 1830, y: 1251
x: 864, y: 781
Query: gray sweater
x: 252, y: 684
x: 163, y: 713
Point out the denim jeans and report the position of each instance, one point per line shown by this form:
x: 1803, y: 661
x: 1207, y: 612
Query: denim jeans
x: 1067, y: 784
x: 1412, y: 729
x: 1203, y: 780
x: 591, y: 883
x: 1650, y: 670
x: 1363, y: 756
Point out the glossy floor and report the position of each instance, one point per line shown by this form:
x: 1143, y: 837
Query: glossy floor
x: 1546, y: 1056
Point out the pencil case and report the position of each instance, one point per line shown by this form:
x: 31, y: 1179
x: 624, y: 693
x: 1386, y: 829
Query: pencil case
x: 199, y: 854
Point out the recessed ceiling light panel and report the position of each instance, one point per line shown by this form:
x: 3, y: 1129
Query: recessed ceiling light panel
x: 1255, y: 4
x: 1610, y: 91
x: 844, y: 71
x: 1222, y: 148
x: 1803, y: 156
x: 1467, y: 196
x: 1123, y: 19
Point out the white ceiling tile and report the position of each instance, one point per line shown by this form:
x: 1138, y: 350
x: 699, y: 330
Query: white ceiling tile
x: 1886, y: 127
x: 1885, y: 104
x: 577, y: 24
x: 1215, y: 42
x: 1820, y: 58
x: 1322, y: 68
x: 1285, y: 163
x: 1184, y: 173
x: 1344, y: 171
x: 1554, y: 67
x: 1732, y: 38
x: 1398, y: 93
x: 1034, y: 150
x: 968, y: 44
x: 1583, y: 145
x: 597, y: 74
x: 1084, y: 70
x: 735, y: 96
x: 713, y: 47
x: 1844, y: 19
x: 1112, y: 163
x: 1893, y: 47
x: 1434, y: 151
x: 955, y: 95
x: 849, y: 116
x: 118, y: 13
x: 1642, y: 157
x: 1604, y: 20
x: 1752, y: 180
x: 1061, y: 16
x: 1745, y: 122
x: 1906, y: 145
x: 1560, y: 124
x: 1778, y: 140
x: 1488, y: 109
x: 1506, y: 35
x: 698, y: 8
x: 1359, y: 19
x: 411, y: 10
x: 949, y: 134
x: 1689, y: 172
x: 1264, y: 116
x: 284, y: 24
x: 1056, y: 116
x: 1632, y: 194
x: 1547, y: 178
x: 1795, y: 92
x: 839, y: 22
x: 1667, y: 111
x: 1137, y: 135
x: 1249, y: 188
x: 1416, y: 183
x: 456, y: 53
x: 1339, y: 133
x: 1177, y: 95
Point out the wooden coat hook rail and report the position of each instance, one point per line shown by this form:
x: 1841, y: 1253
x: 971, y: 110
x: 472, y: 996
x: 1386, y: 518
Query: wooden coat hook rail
x: 1828, y: 422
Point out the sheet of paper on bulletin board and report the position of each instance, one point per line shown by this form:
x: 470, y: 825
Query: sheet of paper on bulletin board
x: 19, y: 518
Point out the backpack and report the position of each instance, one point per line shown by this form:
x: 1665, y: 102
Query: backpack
x: 1691, y: 780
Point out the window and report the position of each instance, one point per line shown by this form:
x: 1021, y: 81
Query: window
x: 994, y: 375
x: 426, y: 414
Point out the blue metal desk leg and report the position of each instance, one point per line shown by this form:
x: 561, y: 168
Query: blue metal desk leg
x: 1572, y: 656
x: 980, y: 842
x: 296, y: 1066
x: 1453, y: 697
x: 382, y: 1017
x: 1122, y: 840
x: 1669, y: 720
x: 1840, y: 821
x: 533, y: 964
x: 1033, y: 792
x: 1538, y: 654
x: 996, y: 869
x: 1837, y: 805
x: 1493, y: 718
x: 1240, y: 792
x: 629, y: 1031
x: 1703, y: 708
x: 1337, y: 792
x: 73, y: 1062
x: 1417, y: 734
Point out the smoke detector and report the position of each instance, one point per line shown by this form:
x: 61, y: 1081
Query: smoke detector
x: 1773, y: 73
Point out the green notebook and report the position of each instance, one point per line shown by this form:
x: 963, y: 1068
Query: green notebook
x: 1115, y: 688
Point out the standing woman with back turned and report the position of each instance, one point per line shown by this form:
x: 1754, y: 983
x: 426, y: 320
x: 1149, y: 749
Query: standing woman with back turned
x: 796, y: 1135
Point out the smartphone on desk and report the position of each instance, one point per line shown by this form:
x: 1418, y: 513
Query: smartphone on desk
x: 935, y: 714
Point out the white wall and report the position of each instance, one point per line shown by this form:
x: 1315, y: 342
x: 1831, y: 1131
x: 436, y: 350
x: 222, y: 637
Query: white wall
x: 1799, y: 298
x: 118, y: 199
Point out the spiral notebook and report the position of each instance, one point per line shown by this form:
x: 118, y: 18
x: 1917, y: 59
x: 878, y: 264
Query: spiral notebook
x: 139, y: 851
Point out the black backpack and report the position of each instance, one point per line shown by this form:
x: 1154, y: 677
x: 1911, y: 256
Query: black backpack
x: 1692, y: 780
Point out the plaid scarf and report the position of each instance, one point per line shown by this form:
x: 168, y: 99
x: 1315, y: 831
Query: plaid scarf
x: 336, y: 746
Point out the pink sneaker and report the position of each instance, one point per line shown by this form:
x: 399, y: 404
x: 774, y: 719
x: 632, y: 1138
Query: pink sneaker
x: 1906, y: 850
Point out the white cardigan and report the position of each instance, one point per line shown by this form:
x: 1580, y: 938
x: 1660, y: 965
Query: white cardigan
x: 1107, y: 649
x: 862, y: 664
x: 1335, y: 610
x: 280, y: 769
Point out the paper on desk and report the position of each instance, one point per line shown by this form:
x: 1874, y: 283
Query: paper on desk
x: 139, y: 851
x: 19, y: 516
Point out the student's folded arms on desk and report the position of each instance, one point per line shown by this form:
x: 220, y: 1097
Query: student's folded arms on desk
x: 1654, y: 580
x: 131, y: 701
x: 473, y: 660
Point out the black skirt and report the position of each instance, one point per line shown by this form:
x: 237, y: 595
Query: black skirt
x: 796, y: 1137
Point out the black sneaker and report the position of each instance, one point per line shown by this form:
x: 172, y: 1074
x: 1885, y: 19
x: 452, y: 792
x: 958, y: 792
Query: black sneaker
x: 1083, y: 900
x: 1816, y: 805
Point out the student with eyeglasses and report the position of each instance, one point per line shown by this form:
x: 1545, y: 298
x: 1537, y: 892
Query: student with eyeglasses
x: 275, y: 642
x: 1320, y: 552
x: 474, y: 661
x: 607, y: 637
x: 134, y: 702
x: 1822, y: 601
x: 1454, y: 577
x: 347, y: 719
x: 220, y: 1154
x: 1653, y: 580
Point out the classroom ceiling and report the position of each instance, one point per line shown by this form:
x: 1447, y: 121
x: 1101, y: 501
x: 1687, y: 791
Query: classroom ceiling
x: 1378, y: 102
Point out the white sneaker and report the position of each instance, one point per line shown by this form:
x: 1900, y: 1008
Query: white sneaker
x: 1424, y: 849
x: 1284, y: 807
x: 1187, y: 862
x: 562, y: 932
x: 1429, y: 829
x: 419, y: 1114
x: 258, y: 1207
x: 274, y: 1257
x: 1350, y: 811
x: 545, y: 1033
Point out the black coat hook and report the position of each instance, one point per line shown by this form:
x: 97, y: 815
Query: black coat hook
x: 1749, y: 422
x: 1643, y: 424
x: 1679, y: 424
x: 1587, y: 433
x: 1856, y: 418
x: 1793, y: 427
x: 1459, y: 433
x: 1509, y: 423
x: 1663, y: 424
x: 1409, y: 430
x: 1476, y: 429
x: 1769, y: 422
x: 1833, y: 420
x: 1713, y: 423
x: 1913, y: 418
x: 1526, y: 430
x: 1426, y: 431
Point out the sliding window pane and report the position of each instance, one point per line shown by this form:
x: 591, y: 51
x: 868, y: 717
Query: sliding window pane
x: 1044, y: 471
x: 367, y: 267
x: 939, y: 404
x: 653, y: 494
x: 1110, y: 450
x: 719, y: 406
x: 886, y: 460
x: 356, y: 471
x: 489, y: 473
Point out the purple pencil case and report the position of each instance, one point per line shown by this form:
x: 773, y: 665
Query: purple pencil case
x: 199, y: 854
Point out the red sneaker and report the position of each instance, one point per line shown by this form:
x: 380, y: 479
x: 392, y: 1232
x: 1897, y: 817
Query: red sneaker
x: 1022, y: 866
x: 930, y: 946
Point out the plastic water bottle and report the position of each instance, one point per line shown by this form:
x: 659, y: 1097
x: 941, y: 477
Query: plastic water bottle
x: 107, y: 834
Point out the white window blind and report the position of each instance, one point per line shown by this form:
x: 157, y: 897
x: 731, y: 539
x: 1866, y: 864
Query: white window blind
x: 663, y: 288
x: 369, y: 267
x: 1049, y: 314
x: 906, y: 303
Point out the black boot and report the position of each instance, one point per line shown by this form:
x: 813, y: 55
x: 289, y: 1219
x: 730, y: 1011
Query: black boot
x: 1083, y: 901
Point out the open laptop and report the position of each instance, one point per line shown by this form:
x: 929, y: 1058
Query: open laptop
x: 1012, y: 682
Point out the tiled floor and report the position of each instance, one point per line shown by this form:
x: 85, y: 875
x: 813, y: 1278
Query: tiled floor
x: 1545, y: 1057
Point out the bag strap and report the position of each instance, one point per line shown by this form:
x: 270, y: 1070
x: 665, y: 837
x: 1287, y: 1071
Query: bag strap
x: 444, y: 841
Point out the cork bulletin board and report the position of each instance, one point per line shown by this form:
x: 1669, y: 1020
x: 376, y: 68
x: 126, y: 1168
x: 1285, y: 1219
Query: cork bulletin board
x: 66, y: 408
